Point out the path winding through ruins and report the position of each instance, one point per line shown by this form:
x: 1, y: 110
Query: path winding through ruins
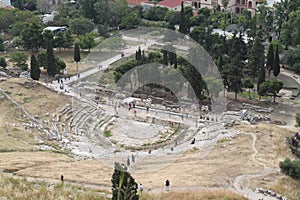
x: 238, y: 184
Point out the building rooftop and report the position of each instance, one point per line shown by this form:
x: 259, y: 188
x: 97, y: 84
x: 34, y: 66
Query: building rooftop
x: 135, y: 2
x: 170, y: 3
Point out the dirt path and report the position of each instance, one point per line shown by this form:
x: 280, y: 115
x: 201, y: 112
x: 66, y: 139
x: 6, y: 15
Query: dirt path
x: 241, y: 183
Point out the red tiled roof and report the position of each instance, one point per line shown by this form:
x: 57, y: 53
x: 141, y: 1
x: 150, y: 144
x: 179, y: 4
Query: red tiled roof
x: 170, y: 3
x: 135, y: 2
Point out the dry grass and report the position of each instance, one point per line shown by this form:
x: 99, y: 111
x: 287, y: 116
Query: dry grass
x: 200, y: 195
x: 271, y: 143
x: 217, y: 169
x: 228, y: 158
x: 15, y: 188
x: 19, y: 188
x: 37, y: 101
x: 287, y: 186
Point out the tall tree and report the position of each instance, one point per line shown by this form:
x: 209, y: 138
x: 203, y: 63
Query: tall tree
x: 76, y: 55
x: 256, y: 58
x: 234, y: 76
x: 87, y: 8
x: 50, y: 59
x: 290, y: 34
x: 32, y: 36
x: 124, y: 186
x: 183, y: 25
x: 276, y: 69
x: 81, y: 25
x: 261, y: 78
x: 192, y: 75
x: 270, y: 59
x: 35, y: 71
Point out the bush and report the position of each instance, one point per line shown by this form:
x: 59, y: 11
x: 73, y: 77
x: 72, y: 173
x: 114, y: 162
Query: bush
x: 3, y: 62
x: 298, y: 119
x: 107, y: 133
x: 290, y: 167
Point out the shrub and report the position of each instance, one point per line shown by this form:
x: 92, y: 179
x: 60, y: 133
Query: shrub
x: 290, y: 167
x: 107, y: 133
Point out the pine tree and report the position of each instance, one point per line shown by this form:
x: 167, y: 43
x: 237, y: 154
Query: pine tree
x: 257, y: 58
x: 124, y: 186
x: 270, y: 59
x: 35, y: 71
x: 50, y: 61
x: 77, y: 55
x: 235, y: 75
x: 276, y: 69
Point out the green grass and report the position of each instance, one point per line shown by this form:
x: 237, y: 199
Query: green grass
x: 253, y: 95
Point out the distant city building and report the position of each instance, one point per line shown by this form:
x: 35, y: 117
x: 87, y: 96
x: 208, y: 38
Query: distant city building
x: 237, y: 6
x: 170, y: 4
x: 234, y: 6
x: 132, y: 3
x: 197, y: 4
x: 173, y: 4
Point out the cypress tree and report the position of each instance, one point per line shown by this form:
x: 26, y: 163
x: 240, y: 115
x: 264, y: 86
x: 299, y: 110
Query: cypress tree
x: 77, y: 55
x: 165, y: 57
x: 124, y: 186
x: 35, y: 71
x: 182, y: 21
x: 261, y: 77
x: 276, y: 69
x: 270, y: 59
x: 50, y: 62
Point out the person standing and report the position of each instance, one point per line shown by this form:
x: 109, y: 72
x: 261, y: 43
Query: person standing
x: 128, y: 161
x: 141, y: 188
x: 167, y: 185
